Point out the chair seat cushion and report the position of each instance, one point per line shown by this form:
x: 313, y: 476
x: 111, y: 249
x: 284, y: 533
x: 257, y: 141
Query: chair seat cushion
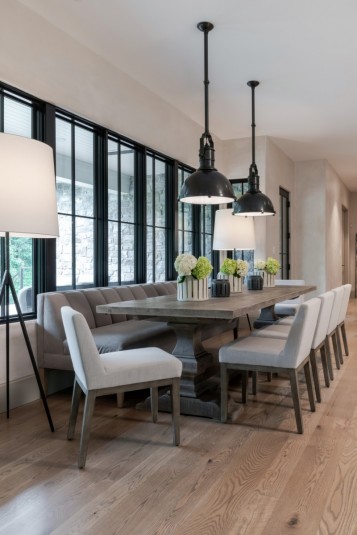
x: 286, y: 309
x: 273, y: 331
x: 286, y: 321
x: 137, y: 366
x: 131, y: 334
x: 253, y: 350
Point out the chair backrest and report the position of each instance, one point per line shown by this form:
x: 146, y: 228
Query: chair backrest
x: 335, y: 314
x: 298, y: 343
x: 292, y: 282
x: 344, y: 305
x: 323, y: 320
x: 84, y: 354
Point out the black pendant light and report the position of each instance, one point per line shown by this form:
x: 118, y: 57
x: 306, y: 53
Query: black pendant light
x: 206, y: 185
x: 254, y: 202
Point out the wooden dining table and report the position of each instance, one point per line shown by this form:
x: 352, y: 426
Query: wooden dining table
x: 200, y: 375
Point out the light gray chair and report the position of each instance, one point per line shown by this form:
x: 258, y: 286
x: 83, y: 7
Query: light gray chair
x: 318, y: 343
x: 341, y: 328
x: 289, y: 307
x: 290, y: 355
x: 110, y: 373
x: 332, y: 331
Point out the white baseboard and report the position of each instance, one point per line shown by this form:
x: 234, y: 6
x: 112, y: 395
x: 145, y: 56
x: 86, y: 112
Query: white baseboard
x: 22, y: 391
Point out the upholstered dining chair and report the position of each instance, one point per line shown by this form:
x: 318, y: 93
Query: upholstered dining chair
x: 290, y: 355
x: 341, y: 320
x: 318, y: 342
x: 332, y: 331
x: 289, y: 307
x: 110, y: 373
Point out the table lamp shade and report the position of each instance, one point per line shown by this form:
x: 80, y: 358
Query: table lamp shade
x: 28, y: 206
x: 232, y: 232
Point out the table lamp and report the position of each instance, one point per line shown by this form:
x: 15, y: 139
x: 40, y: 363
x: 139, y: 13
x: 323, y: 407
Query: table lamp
x: 28, y: 209
x: 232, y: 232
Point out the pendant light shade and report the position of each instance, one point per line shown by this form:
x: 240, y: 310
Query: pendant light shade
x: 206, y: 185
x: 254, y: 202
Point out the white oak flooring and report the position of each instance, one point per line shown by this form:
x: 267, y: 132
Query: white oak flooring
x: 254, y: 476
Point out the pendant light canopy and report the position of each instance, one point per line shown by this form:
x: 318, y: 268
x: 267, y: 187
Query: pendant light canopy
x: 254, y: 202
x: 206, y: 185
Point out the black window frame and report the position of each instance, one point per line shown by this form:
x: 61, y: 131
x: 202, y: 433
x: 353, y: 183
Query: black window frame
x: 44, y: 260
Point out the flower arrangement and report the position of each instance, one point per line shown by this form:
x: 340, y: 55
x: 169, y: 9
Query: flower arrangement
x: 187, y: 264
x: 237, y: 268
x: 270, y: 265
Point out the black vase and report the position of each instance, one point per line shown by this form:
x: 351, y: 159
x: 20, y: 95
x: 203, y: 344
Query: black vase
x: 220, y: 288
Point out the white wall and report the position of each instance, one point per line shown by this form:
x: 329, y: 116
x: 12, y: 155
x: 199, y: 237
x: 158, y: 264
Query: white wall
x: 319, y: 196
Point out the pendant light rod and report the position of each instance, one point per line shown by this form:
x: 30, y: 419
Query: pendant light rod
x: 253, y: 84
x: 206, y: 27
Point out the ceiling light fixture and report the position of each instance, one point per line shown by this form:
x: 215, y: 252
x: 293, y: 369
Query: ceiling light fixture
x: 206, y: 185
x: 254, y: 202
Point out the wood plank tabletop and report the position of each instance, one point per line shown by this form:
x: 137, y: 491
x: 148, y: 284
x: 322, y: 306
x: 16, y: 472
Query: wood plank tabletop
x: 167, y: 307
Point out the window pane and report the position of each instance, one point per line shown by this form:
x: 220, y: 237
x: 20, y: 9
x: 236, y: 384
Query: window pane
x: 127, y: 183
x: 84, y: 172
x: 84, y: 251
x: 149, y: 190
x: 64, y: 252
x: 160, y: 193
x: 113, y: 253
x: 127, y: 252
x: 17, y: 118
x: 21, y: 268
x: 113, y: 161
x: 64, y: 166
x: 149, y: 255
x: 160, y: 255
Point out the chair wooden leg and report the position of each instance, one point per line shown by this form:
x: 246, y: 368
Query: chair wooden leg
x: 344, y: 338
x: 224, y: 392
x: 236, y: 329
x: 296, y: 400
x: 336, y: 351
x: 76, y: 397
x: 269, y: 376
x: 254, y: 383
x: 175, y: 407
x: 339, y: 345
x: 154, y: 402
x: 315, y: 374
x: 324, y: 366
x: 250, y: 326
x: 120, y: 400
x: 328, y: 357
x: 87, y: 418
x: 244, y: 385
x: 310, y: 391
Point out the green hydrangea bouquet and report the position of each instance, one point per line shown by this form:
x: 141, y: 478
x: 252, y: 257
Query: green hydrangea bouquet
x: 237, y: 268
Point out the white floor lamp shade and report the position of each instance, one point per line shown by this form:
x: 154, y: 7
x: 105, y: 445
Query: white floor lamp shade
x: 232, y: 232
x: 28, y: 209
x: 28, y: 204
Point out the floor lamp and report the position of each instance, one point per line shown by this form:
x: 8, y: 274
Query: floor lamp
x: 231, y: 233
x: 28, y: 209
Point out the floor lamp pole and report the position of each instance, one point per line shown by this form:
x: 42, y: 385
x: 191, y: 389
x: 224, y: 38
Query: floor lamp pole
x: 7, y: 285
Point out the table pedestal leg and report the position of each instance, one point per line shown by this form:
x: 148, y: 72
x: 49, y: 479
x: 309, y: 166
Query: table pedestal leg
x: 267, y: 317
x: 199, y: 387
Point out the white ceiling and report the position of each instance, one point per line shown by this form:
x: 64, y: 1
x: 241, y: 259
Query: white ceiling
x: 304, y: 53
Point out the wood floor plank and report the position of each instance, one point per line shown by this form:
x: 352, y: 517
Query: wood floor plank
x: 253, y: 476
